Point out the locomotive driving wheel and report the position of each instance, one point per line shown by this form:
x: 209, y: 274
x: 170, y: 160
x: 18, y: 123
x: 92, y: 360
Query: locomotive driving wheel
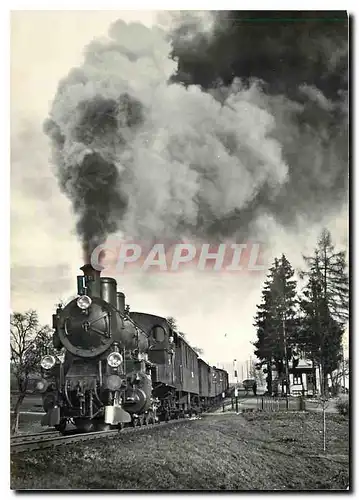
x: 84, y: 424
x: 134, y: 422
x: 61, y: 427
x: 100, y: 425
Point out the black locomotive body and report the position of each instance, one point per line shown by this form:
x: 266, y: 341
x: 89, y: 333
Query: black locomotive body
x: 119, y: 367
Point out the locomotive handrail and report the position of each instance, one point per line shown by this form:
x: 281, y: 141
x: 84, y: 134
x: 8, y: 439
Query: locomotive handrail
x: 125, y: 316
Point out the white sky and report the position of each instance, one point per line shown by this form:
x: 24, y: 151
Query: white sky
x: 45, y: 253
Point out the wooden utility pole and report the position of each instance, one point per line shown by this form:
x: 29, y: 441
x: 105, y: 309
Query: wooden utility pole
x: 324, y: 402
x: 285, y: 347
x: 343, y: 366
x: 236, y: 390
x: 286, y: 363
x: 235, y: 371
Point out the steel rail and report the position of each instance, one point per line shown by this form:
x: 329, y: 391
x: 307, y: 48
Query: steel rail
x: 48, y: 442
x: 29, y: 437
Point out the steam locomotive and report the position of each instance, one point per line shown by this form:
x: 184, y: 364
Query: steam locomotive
x: 120, y: 367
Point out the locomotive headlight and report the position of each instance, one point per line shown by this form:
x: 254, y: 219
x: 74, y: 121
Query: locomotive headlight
x: 41, y: 386
x: 47, y: 362
x: 114, y: 359
x: 84, y: 302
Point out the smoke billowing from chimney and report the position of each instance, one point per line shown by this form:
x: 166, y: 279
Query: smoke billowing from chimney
x: 137, y: 152
x: 85, y: 157
x: 299, y: 60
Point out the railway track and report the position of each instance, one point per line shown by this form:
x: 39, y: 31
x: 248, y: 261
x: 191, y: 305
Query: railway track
x: 22, y: 438
x: 42, y: 440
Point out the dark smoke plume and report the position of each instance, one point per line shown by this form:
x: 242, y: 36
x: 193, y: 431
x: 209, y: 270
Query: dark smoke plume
x: 300, y: 63
x: 282, y: 48
x: 244, y: 121
x: 90, y: 176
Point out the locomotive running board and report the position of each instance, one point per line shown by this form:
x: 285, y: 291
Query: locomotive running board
x: 116, y: 415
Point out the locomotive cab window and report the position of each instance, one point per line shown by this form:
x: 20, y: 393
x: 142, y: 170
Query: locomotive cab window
x: 158, y: 334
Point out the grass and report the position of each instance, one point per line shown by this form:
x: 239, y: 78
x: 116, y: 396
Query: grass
x: 32, y: 402
x: 29, y: 424
x: 258, y: 451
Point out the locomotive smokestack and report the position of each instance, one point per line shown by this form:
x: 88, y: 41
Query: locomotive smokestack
x: 88, y: 270
x: 93, y: 281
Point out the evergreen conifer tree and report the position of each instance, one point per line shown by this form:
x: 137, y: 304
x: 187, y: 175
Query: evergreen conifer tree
x: 324, y: 306
x: 276, y: 321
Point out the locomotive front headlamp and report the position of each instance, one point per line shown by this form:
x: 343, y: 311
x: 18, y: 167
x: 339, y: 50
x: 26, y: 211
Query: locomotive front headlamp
x: 48, y: 362
x: 41, y: 385
x: 114, y: 359
x: 84, y: 302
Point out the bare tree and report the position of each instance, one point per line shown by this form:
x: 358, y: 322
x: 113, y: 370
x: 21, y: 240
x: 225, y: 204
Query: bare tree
x: 256, y: 373
x: 338, y: 377
x: 172, y: 322
x: 28, y: 342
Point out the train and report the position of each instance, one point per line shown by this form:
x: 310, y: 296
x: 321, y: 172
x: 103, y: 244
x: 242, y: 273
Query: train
x: 117, y: 368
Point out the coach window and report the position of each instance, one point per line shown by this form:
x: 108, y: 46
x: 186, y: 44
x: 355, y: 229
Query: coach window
x: 297, y: 379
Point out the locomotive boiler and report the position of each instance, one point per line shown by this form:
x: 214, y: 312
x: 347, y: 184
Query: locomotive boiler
x: 104, y: 376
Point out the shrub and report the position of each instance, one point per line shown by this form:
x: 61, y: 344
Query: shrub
x: 342, y: 405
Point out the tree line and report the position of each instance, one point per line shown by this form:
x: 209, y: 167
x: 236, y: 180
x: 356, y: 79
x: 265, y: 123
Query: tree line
x: 307, y: 321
